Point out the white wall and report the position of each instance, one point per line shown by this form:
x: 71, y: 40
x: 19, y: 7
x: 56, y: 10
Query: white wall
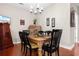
x: 16, y: 14
x: 75, y: 30
x: 77, y: 24
x: 61, y: 12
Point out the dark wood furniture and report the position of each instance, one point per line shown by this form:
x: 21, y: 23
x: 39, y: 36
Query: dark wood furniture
x: 41, y: 33
x: 22, y: 38
x: 22, y: 41
x: 5, y: 36
x: 39, y: 41
x: 48, y: 32
x: 28, y: 44
x: 55, y: 41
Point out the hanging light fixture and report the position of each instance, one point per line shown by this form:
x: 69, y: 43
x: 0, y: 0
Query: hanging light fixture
x: 36, y: 10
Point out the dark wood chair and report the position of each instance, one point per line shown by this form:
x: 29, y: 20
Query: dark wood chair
x: 28, y: 44
x: 48, y: 33
x: 55, y: 41
x: 41, y: 33
x: 22, y: 40
x: 26, y: 31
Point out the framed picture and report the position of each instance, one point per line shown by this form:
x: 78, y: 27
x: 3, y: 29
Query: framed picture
x: 53, y: 22
x: 47, y: 21
x: 72, y: 18
x: 22, y: 22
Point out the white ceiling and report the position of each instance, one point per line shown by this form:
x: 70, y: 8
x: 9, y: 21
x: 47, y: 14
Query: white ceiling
x: 26, y: 6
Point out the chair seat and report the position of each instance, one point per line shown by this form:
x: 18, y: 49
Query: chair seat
x: 33, y: 45
x: 45, y: 47
x: 48, y: 48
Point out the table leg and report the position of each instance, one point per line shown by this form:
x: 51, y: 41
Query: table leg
x: 39, y: 52
x: 40, y: 49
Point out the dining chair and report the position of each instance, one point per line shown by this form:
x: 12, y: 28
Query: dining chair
x: 48, y: 33
x: 27, y: 31
x: 55, y: 41
x: 28, y: 44
x: 22, y: 40
x: 41, y: 33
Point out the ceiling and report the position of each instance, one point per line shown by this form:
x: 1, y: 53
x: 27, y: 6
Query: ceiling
x: 26, y: 6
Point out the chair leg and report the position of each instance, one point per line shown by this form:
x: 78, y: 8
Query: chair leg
x: 48, y: 53
x: 44, y: 53
x: 24, y: 47
x: 21, y: 47
x: 58, y: 52
x: 30, y: 52
x: 26, y: 52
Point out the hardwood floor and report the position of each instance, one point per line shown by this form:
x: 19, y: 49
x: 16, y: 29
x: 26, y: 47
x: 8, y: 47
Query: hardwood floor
x: 76, y: 49
x: 66, y: 52
x: 16, y: 51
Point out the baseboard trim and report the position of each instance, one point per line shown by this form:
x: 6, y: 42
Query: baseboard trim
x: 16, y: 42
x: 77, y: 42
x: 67, y: 47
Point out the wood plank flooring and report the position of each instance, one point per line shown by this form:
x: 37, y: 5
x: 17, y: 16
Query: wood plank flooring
x: 16, y: 51
x: 76, y: 49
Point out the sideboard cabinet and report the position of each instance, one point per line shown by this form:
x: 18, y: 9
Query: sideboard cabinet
x: 5, y: 36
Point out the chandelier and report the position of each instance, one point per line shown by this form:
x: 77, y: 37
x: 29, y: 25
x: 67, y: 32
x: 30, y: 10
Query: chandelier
x: 36, y: 10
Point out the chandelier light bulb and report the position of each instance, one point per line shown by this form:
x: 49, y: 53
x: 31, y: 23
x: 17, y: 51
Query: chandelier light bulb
x: 31, y: 11
x: 41, y: 9
x: 36, y: 10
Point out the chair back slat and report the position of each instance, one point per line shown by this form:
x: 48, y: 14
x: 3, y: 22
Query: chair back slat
x: 26, y: 40
x: 41, y: 33
x: 56, y: 35
x: 21, y: 36
x: 48, y: 33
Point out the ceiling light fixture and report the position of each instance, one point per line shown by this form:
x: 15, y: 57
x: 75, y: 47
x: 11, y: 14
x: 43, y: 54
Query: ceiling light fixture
x: 36, y: 10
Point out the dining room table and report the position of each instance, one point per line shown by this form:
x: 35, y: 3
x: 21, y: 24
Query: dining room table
x: 39, y: 40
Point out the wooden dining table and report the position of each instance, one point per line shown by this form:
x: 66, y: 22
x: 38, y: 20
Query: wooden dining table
x: 39, y: 40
